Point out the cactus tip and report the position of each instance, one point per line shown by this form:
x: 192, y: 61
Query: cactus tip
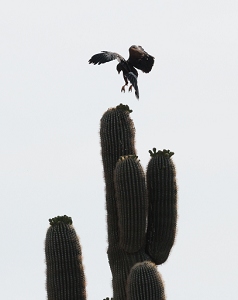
x: 124, y: 107
x: 165, y: 153
x: 135, y: 157
x: 61, y: 219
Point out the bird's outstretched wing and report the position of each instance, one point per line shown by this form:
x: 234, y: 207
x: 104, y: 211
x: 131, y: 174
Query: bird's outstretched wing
x: 104, y: 57
x: 133, y: 80
x: 140, y: 59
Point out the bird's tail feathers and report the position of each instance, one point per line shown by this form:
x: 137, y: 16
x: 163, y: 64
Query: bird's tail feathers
x: 133, y: 80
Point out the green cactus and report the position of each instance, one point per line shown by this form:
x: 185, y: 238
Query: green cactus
x: 64, y: 269
x: 144, y: 282
x: 162, y: 217
x: 117, y: 139
x: 133, y: 203
x: 141, y: 220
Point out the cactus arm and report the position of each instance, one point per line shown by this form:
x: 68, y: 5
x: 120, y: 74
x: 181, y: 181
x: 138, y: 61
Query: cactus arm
x: 162, y: 194
x: 145, y: 282
x: 132, y: 203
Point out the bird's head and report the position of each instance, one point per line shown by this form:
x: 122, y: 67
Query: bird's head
x: 136, y: 47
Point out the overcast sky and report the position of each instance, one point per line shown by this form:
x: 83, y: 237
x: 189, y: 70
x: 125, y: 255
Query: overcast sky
x: 51, y: 102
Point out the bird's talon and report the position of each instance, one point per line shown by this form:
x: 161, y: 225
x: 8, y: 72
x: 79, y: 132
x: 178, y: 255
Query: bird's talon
x: 130, y: 88
x: 123, y: 89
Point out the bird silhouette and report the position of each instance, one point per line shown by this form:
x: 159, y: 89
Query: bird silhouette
x: 138, y: 59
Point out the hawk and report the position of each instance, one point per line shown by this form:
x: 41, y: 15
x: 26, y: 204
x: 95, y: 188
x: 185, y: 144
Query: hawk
x: 138, y: 59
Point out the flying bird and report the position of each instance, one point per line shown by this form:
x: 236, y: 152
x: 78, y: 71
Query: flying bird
x: 138, y: 59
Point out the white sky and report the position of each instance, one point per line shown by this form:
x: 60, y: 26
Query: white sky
x: 51, y: 102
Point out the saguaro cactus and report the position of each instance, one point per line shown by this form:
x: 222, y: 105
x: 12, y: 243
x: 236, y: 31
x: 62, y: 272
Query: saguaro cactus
x: 65, y: 275
x: 141, y: 214
x: 141, y: 219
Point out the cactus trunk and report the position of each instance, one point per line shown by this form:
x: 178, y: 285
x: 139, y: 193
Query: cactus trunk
x: 65, y: 274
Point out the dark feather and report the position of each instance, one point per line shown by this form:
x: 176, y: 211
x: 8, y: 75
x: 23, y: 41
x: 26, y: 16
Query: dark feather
x: 140, y: 59
x: 133, y: 80
x: 104, y: 57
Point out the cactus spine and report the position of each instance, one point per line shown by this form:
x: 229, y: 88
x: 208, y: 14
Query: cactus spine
x: 65, y: 274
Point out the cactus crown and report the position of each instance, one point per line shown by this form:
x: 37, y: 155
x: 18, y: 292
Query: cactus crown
x: 61, y: 219
x: 123, y: 157
x: 124, y: 107
x: 165, y: 153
